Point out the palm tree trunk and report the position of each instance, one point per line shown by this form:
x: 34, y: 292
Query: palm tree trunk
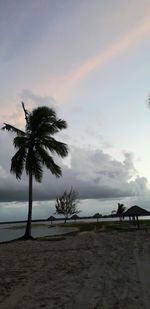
x: 27, y: 234
x: 65, y: 219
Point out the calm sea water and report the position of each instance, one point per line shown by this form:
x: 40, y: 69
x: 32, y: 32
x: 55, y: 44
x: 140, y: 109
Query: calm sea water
x: 15, y: 230
x: 16, y: 211
x: 88, y: 207
x: 12, y: 231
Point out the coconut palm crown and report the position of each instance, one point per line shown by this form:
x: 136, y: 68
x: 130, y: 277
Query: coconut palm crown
x: 35, y: 146
x: 120, y: 211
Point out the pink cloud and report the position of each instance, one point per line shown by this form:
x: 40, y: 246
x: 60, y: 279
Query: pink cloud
x: 61, y: 88
x: 128, y: 41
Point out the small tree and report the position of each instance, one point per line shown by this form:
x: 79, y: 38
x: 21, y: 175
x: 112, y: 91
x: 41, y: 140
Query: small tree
x: 66, y: 204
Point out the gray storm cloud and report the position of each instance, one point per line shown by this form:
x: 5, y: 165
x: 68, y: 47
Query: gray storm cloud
x: 93, y: 173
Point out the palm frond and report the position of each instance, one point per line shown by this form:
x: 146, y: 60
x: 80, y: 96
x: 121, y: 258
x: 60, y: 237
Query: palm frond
x: 55, y: 146
x: 13, y: 129
x: 17, y: 162
x: 60, y: 124
x: 48, y: 161
x: 43, y: 120
x: 20, y: 141
x: 41, y: 115
x: 26, y: 113
x: 43, y: 112
x: 33, y: 165
x: 44, y: 129
x: 57, y: 125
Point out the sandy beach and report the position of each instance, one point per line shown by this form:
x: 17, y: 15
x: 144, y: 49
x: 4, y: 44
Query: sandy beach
x: 105, y: 270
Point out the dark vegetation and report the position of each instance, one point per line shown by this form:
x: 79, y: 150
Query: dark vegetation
x: 124, y: 226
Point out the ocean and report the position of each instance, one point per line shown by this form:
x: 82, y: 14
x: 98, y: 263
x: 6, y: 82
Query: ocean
x: 15, y: 211
x: 12, y: 231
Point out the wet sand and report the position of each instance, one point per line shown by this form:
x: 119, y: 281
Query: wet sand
x: 105, y: 270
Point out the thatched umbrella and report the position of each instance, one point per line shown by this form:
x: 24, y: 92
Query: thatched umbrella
x: 97, y: 216
x: 75, y: 217
x: 134, y: 212
x: 51, y: 218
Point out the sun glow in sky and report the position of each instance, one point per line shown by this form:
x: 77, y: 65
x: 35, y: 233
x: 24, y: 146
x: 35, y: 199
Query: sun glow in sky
x: 90, y: 60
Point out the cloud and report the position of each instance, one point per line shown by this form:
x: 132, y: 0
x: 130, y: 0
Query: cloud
x: 31, y: 101
x: 36, y: 100
x: 93, y: 173
x: 125, y: 44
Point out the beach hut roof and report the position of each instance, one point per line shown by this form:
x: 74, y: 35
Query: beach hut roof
x: 97, y: 215
x: 51, y: 218
x: 136, y: 211
x: 75, y: 217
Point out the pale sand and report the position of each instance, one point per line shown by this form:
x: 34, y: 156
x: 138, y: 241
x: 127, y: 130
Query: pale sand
x: 107, y: 270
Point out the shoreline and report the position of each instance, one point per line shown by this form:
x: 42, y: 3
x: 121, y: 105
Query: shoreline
x: 41, y: 230
x: 109, y: 217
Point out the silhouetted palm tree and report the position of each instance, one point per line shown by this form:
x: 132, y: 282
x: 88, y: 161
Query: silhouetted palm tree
x: 34, y: 146
x: 121, y: 209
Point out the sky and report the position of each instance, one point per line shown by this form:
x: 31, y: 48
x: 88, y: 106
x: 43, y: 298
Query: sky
x: 90, y: 61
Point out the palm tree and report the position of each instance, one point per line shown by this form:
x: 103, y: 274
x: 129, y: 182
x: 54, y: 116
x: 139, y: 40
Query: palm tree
x: 34, y: 148
x: 121, y: 209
